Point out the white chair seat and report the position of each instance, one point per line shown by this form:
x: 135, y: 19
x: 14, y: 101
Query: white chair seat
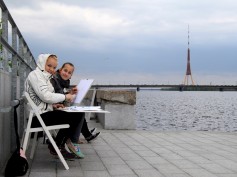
x: 53, y: 127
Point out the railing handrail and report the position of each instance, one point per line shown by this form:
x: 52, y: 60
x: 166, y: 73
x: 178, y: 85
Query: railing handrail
x: 10, y: 49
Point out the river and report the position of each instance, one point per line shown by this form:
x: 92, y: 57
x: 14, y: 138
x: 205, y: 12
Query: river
x: 190, y: 110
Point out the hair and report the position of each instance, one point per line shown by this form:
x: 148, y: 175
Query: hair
x: 53, y: 56
x: 67, y: 63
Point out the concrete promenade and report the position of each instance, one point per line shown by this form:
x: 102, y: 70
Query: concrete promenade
x: 146, y: 153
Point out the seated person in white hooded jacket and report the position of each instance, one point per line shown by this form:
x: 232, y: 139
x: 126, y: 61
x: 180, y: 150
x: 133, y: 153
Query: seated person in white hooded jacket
x: 42, y: 93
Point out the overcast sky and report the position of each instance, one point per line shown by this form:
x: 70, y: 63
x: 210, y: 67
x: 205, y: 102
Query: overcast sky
x: 134, y: 41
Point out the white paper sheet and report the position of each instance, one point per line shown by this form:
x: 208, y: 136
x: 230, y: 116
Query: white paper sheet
x: 95, y: 109
x: 82, y: 88
x: 84, y: 108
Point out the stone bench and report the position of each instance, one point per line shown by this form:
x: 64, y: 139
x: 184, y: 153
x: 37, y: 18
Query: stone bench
x: 120, y: 104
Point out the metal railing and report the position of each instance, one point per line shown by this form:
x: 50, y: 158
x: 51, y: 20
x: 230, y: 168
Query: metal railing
x: 16, y: 62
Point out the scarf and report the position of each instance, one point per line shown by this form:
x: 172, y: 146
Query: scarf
x: 60, y: 84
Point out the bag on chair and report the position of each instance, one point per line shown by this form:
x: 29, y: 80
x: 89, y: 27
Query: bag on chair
x: 17, y: 165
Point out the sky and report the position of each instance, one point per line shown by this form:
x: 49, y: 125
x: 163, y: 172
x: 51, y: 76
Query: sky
x: 134, y: 41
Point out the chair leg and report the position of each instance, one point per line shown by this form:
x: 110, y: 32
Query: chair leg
x: 32, y: 152
x: 57, y: 150
x: 26, y: 139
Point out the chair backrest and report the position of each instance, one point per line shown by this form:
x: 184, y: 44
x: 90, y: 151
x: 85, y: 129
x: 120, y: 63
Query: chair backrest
x: 35, y: 110
x: 31, y: 103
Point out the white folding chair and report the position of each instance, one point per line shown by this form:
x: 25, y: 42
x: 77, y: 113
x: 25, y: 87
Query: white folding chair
x: 34, y: 111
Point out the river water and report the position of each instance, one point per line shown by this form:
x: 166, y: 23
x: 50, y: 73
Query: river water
x: 196, y: 111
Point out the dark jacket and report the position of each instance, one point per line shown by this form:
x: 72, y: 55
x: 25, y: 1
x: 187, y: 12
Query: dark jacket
x: 59, y: 84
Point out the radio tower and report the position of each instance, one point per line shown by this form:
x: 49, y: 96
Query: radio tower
x: 188, y: 71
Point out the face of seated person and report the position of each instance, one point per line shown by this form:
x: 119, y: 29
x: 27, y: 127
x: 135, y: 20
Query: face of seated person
x: 51, y: 65
x: 66, y: 72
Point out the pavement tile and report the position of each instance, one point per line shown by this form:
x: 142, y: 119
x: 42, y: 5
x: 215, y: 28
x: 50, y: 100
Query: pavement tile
x: 119, y: 169
x: 109, y: 153
x: 149, y: 173
x: 72, y: 172
x: 198, y: 159
x: 125, y: 175
x: 96, y: 174
x: 42, y: 174
x: 102, y: 148
x: 88, y: 151
x: 215, y: 168
x: 92, y: 166
x: 131, y: 156
x: 156, y: 160
x: 43, y: 166
x: 168, y: 169
x: 93, y: 158
x: 199, y: 173
x: 161, y: 150
x: 227, y: 175
x: 139, y: 148
x: 186, y: 153
x: 177, y: 175
x: 123, y: 150
x: 229, y: 164
x: 184, y: 164
x: 172, y: 156
x: 112, y: 160
x: 148, y: 153
x: 139, y: 165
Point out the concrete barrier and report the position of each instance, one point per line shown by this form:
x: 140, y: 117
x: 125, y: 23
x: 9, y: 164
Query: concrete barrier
x: 120, y: 104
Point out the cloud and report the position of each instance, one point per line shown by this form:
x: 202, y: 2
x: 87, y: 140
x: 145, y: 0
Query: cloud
x: 133, y: 38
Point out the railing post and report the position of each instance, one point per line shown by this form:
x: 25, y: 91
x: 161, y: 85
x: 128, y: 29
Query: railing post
x: 4, y: 36
x: 21, y: 80
x: 20, y: 49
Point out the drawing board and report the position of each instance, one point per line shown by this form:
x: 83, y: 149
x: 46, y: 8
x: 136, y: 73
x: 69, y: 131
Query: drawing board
x: 82, y: 89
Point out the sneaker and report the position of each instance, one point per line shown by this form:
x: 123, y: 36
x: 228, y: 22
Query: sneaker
x: 93, y: 130
x: 92, y: 137
x: 64, y: 152
x: 74, y: 148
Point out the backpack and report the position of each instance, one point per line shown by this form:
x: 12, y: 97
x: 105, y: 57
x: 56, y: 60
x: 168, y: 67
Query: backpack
x: 17, y: 165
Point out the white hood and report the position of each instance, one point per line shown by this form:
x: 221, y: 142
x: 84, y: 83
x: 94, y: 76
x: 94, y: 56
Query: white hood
x: 42, y: 59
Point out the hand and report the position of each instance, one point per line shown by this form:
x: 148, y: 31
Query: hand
x: 69, y: 97
x: 57, y: 105
x: 73, y: 90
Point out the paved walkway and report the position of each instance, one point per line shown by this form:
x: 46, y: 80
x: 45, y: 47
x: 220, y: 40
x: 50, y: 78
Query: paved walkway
x: 145, y: 153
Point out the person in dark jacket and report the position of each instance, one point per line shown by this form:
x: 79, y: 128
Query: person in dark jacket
x: 61, y: 84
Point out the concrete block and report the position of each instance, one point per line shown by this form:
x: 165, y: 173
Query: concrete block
x: 120, y: 104
x: 117, y: 96
x: 121, y: 116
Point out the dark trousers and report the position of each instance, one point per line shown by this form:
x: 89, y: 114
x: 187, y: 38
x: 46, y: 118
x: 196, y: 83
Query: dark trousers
x: 84, y: 129
x: 57, y: 117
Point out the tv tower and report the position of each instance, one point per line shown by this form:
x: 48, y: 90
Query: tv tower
x: 188, y: 71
